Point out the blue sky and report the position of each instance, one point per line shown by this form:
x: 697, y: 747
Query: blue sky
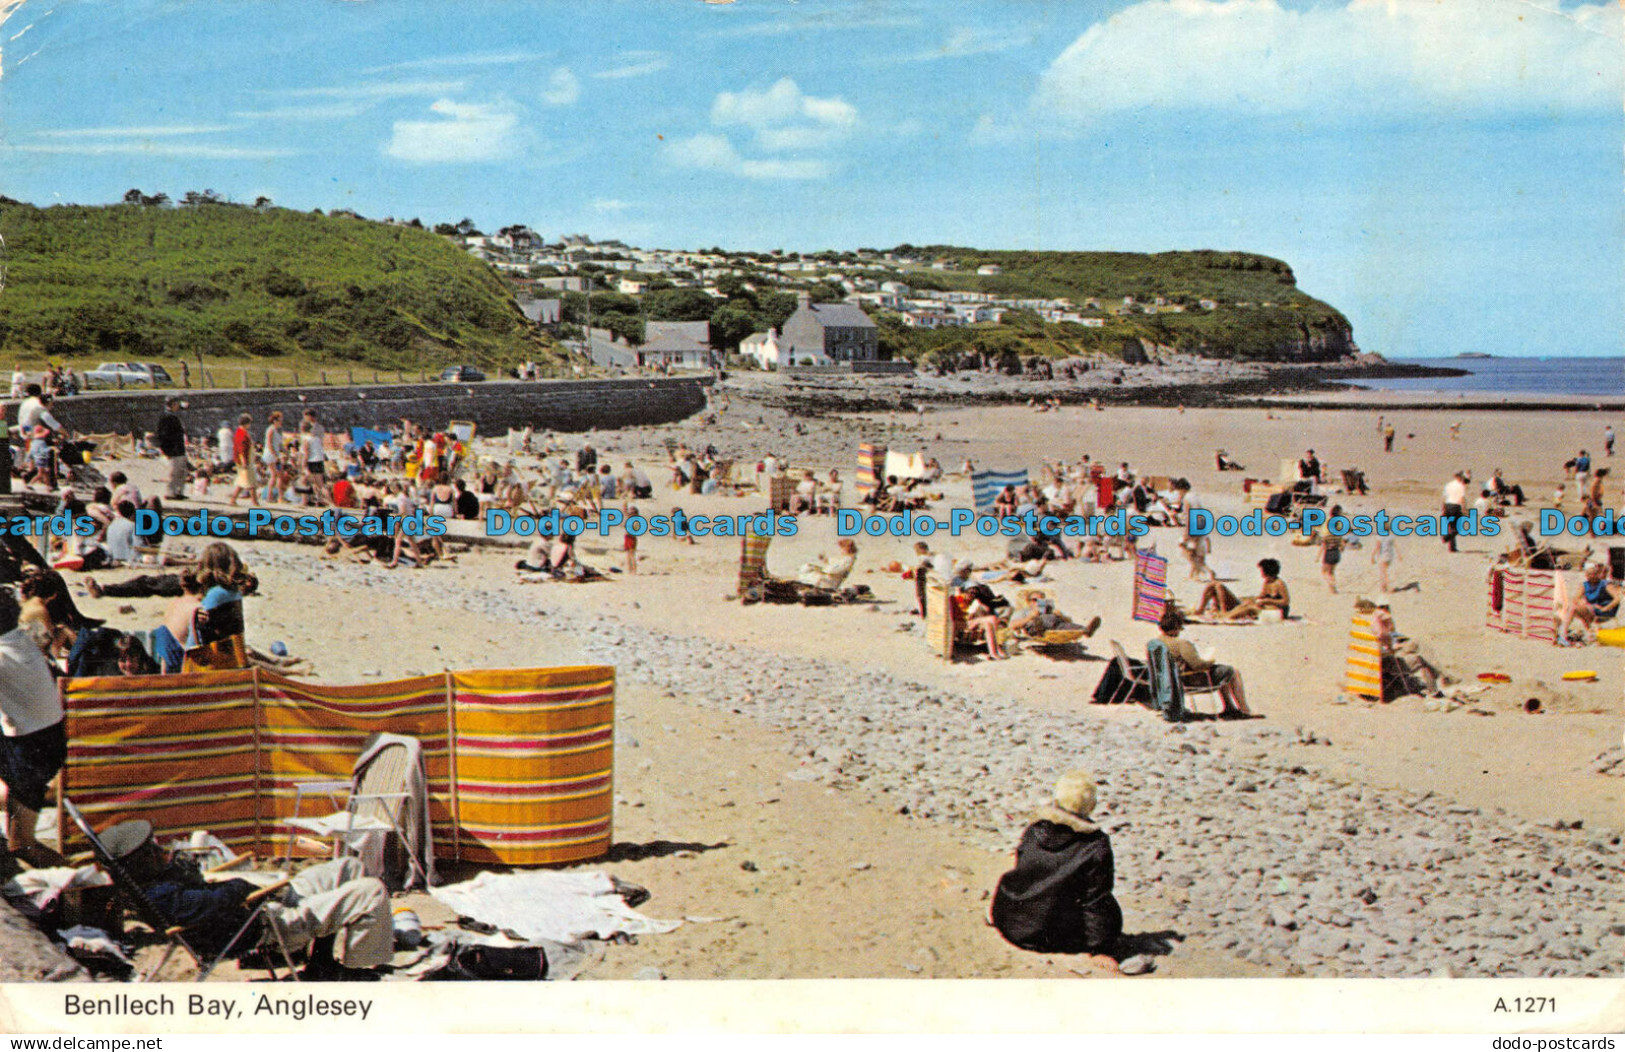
x: 1448, y: 174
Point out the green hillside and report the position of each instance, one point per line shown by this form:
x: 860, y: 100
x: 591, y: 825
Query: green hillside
x: 1257, y: 310
x: 263, y: 284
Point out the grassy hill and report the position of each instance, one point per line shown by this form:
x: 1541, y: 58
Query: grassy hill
x: 1259, y: 314
x: 260, y: 285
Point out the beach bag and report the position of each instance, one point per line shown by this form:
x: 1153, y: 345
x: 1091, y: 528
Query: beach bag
x: 500, y: 963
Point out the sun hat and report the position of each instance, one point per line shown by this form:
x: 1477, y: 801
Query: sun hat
x: 126, y: 838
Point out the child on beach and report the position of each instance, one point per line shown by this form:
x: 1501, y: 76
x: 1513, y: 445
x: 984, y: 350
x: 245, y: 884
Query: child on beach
x: 630, y: 544
x: 1384, y: 553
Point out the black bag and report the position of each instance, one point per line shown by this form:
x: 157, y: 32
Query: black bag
x: 501, y: 963
x: 1279, y: 503
x: 1114, y: 689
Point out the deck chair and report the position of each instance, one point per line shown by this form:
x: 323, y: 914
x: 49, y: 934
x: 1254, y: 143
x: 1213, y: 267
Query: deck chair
x: 753, y: 567
x: 220, y: 643
x: 779, y: 489
x: 1169, y: 692
x: 1131, y: 677
x: 375, y: 806
x: 150, y: 915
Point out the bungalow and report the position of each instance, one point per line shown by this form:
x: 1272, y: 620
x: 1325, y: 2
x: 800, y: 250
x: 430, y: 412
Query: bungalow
x: 678, y: 344
x: 631, y: 287
x: 768, y: 352
x: 989, y: 269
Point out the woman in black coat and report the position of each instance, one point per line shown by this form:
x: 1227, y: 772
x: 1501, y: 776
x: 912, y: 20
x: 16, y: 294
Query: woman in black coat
x: 1058, y: 898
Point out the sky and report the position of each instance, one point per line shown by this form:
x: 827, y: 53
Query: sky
x: 1446, y: 172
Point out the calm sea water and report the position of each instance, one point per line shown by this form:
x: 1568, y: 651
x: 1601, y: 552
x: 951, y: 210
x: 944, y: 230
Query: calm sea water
x: 1554, y: 376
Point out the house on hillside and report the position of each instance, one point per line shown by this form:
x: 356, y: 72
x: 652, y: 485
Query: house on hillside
x: 543, y: 313
x: 631, y: 287
x: 840, y: 332
x: 989, y: 269
x: 765, y: 348
x: 677, y: 344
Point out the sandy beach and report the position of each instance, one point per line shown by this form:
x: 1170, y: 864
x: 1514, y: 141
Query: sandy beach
x: 821, y: 796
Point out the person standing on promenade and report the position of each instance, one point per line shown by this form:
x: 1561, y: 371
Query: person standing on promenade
x: 171, y: 435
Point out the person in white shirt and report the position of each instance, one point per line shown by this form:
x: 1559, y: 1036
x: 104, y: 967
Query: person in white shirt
x: 33, y: 735
x: 36, y: 411
x: 1455, y: 500
x: 19, y: 382
x: 830, y: 574
x: 120, y: 540
x: 225, y: 453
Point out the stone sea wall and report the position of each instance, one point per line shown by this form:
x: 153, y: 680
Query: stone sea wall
x: 547, y: 405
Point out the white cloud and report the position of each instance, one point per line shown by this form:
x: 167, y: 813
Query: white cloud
x: 610, y: 206
x: 781, y: 120
x: 467, y: 133
x: 1371, y: 57
x: 397, y: 89
x: 965, y: 43
x: 335, y: 111
x: 487, y: 58
x: 563, y: 88
x: 143, y: 148
x: 706, y: 150
x: 709, y: 151
x: 636, y: 64
x: 151, y: 131
x: 779, y: 168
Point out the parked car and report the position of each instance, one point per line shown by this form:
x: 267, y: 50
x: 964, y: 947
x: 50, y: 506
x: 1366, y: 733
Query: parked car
x: 460, y: 374
x: 129, y: 374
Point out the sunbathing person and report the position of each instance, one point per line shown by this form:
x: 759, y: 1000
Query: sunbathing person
x: 1598, y: 601
x: 1197, y: 671
x: 332, y: 900
x: 1402, y: 656
x: 830, y: 574
x: 976, y: 612
x: 167, y: 650
x: 1039, y: 616
x: 1272, y: 595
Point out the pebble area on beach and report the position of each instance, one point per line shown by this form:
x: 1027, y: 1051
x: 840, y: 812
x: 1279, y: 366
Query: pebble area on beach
x: 1222, y: 824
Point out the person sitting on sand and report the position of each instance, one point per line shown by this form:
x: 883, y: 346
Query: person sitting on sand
x: 975, y: 611
x: 1504, y: 491
x: 1598, y: 601
x: 830, y: 574
x: 1195, y: 671
x: 805, y: 497
x: 1404, y: 663
x: 1005, y: 504
x: 1272, y: 595
x: 167, y: 650
x: 1058, y: 898
x: 1039, y: 616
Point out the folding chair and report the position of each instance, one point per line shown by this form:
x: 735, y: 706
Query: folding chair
x: 1169, y: 692
x: 1131, y: 677
x: 150, y: 915
x: 376, y: 801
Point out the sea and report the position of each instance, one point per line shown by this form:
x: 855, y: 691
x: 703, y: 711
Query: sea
x: 1526, y: 376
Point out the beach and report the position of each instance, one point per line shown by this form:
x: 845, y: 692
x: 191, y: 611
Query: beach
x: 822, y: 796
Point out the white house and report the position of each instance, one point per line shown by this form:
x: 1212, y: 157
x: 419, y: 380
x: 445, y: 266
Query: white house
x: 988, y: 269
x: 631, y: 287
